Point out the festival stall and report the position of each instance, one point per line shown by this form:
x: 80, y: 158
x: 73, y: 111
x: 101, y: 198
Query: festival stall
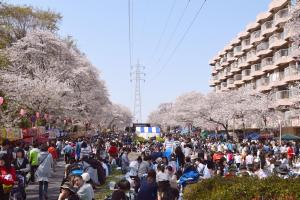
x: 147, y: 132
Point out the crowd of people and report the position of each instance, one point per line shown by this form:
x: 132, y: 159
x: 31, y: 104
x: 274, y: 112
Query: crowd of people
x: 160, y: 170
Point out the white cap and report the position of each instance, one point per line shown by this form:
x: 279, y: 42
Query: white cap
x: 86, y: 177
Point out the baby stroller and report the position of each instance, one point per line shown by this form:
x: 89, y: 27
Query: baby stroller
x: 18, y: 191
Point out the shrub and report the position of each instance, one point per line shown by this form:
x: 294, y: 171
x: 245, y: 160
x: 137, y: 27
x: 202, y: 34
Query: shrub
x: 244, y: 188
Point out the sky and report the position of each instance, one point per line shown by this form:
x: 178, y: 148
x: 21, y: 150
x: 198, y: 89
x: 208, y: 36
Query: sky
x: 100, y: 28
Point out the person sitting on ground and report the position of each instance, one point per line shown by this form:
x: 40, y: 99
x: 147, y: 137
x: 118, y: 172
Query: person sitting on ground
x: 87, y: 179
x: 148, y: 189
x: 83, y: 189
x: 68, y: 192
x: 120, y: 194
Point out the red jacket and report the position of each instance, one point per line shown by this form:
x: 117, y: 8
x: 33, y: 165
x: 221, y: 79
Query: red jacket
x: 53, y: 152
x: 4, y: 172
x: 113, y: 150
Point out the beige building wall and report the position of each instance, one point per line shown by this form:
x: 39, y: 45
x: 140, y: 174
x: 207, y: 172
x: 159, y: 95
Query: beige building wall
x: 260, y: 58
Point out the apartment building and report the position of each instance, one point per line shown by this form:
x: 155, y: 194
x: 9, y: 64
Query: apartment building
x: 261, y: 58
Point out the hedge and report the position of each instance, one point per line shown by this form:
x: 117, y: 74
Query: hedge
x: 244, y: 188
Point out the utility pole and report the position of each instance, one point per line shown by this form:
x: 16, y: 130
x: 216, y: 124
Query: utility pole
x: 137, y: 75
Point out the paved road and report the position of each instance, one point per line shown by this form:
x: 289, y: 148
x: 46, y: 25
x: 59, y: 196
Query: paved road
x: 54, y: 184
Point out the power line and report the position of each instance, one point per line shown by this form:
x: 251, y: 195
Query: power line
x: 164, y: 29
x: 174, y: 31
x: 129, y: 33
x: 180, y: 41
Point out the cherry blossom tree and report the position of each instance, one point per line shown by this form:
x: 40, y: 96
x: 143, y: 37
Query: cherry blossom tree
x: 47, y: 74
x: 163, y: 116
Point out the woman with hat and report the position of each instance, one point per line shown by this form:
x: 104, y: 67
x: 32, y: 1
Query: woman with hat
x: 67, y: 192
x: 7, y: 177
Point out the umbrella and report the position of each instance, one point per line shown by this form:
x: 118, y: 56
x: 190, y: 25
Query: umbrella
x: 289, y: 137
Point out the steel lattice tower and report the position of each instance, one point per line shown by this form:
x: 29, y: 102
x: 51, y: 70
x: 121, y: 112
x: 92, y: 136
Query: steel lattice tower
x: 137, y: 75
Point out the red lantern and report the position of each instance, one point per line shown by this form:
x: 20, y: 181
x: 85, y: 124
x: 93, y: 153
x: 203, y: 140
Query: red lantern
x: 1, y: 100
x: 22, y: 112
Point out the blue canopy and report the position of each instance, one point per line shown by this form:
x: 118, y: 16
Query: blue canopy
x: 253, y: 136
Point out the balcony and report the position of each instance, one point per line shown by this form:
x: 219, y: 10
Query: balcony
x: 263, y: 84
x: 287, y: 97
x: 256, y: 70
x: 242, y: 62
x: 238, y: 79
x: 277, y: 40
x: 228, y: 71
x: 234, y: 67
x: 283, y: 56
x: 267, y: 64
x: 238, y: 51
x: 224, y: 86
x: 263, y: 49
x: 251, y: 56
x: 246, y: 44
x: 246, y: 75
x: 277, y: 79
x: 268, y: 27
x: 292, y: 73
x: 281, y: 16
x: 230, y: 83
x: 230, y: 56
x: 294, y: 94
x: 282, y: 98
x: 222, y: 76
x: 218, y: 66
x: 256, y: 37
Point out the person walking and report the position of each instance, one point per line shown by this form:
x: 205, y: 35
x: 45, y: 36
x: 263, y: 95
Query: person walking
x: 52, y: 150
x: 33, y: 160
x: 43, y: 172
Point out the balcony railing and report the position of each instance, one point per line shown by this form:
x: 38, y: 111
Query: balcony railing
x: 262, y: 46
x: 282, y: 53
x: 246, y: 72
x: 294, y: 92
x: 263, y: 82
x: 246, y: 43
x: 276, y: 37
x: 237, y: 49
x: 267, y: 25
x: 224, y: 84
x: 277, y: 76
x: 234, y: 65
x: 292, y: 70
x: 281, y: 15
x: 230, y: 54
x: 255, y: 35
x: 256, y: 67
x: 238, y: 77
x: 283, y: 94
x: 267, y: 61
x: 230, y: 81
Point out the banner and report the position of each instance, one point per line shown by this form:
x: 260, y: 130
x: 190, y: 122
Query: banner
x: 13, y: 134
